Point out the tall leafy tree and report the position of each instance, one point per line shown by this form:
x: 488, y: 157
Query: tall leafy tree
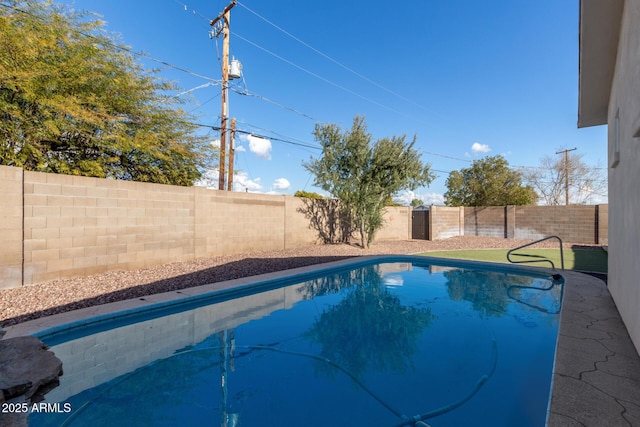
x: 363, y: 174
x: 75, y: 101
x: 488, y: 182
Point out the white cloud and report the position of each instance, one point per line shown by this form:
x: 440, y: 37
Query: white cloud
x: 240, y: 149
x: 215, y: 143
x: 480, y: 148
x: 208, y: 179
x: 405, y: 197
x: 433, y: 199
x: 261, y: 147
x: 241, y: 182
x: 281, y: 184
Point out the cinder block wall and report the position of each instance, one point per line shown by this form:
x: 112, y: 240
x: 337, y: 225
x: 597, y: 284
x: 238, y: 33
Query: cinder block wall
x: 231, y: 223
x: 78, y: 225
x: 59, y: 226
x: 297, y: 231
x: 445, y: 222
x: 11, y: 213
x: 485, y: 221
x: 397, y: 224
x: 575, y: 224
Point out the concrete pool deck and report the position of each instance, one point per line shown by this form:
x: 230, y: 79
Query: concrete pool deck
x: 596, y: 379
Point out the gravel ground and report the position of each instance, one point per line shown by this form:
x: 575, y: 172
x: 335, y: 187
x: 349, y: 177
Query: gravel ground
x: 33, y: 301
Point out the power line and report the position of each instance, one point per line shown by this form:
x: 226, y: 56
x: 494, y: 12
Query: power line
x: 324, y: 55
x: 245, y: 92
x: 274, y: 132
x: 204, y: 103
x: 311, y: 72
x: 277, y: 139
x: 198, y: 87
x: 324, y: 79
x: 193, y: 11
x: 116, y: 46
x: 150, y: 58
x: 446, y: 157
x: 264, y: 98
x: 246, y: 132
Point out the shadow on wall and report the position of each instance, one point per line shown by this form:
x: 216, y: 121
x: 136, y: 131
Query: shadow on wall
x: 330, y: 220
x: 228, y: 271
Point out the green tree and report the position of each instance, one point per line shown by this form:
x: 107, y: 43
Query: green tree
x: 74, y: 101
x: 308, y: 195
x: 488, y: 182
x: 362, y: 175
x: 416, y: 202
x: 388, y: 201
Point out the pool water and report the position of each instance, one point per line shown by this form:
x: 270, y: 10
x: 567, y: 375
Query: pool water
x: 376, y: 344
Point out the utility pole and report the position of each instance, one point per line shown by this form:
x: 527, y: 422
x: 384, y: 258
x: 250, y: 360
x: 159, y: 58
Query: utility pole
x: 566, y: 173
x: 232, y: 149
x: 222, y: 21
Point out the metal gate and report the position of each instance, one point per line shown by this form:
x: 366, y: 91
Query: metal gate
x: 420, y: 224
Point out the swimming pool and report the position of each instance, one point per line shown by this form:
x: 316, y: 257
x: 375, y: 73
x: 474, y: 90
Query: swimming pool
x: 374, y: 342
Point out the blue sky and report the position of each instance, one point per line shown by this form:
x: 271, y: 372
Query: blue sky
x: 466, y: 78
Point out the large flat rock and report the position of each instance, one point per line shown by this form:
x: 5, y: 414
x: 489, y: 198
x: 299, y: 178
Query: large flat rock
x: 27, y: 368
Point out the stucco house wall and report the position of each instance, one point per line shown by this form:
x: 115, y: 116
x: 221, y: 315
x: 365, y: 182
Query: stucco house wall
x: 624, y: 177
x: 610, y: 40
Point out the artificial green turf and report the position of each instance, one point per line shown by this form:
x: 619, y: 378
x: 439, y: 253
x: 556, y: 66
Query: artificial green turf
x: 574, y: 259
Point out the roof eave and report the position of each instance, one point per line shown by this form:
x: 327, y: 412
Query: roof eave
x: 600, y: 23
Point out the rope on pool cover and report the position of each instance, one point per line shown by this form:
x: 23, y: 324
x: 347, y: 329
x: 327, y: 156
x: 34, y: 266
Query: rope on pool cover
x: 416, y: 420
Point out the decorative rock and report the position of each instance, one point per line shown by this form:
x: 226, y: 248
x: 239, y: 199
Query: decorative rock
x: 27, y: 368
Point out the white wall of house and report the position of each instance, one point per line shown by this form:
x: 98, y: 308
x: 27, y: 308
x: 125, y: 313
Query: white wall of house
x: 624, y: 173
